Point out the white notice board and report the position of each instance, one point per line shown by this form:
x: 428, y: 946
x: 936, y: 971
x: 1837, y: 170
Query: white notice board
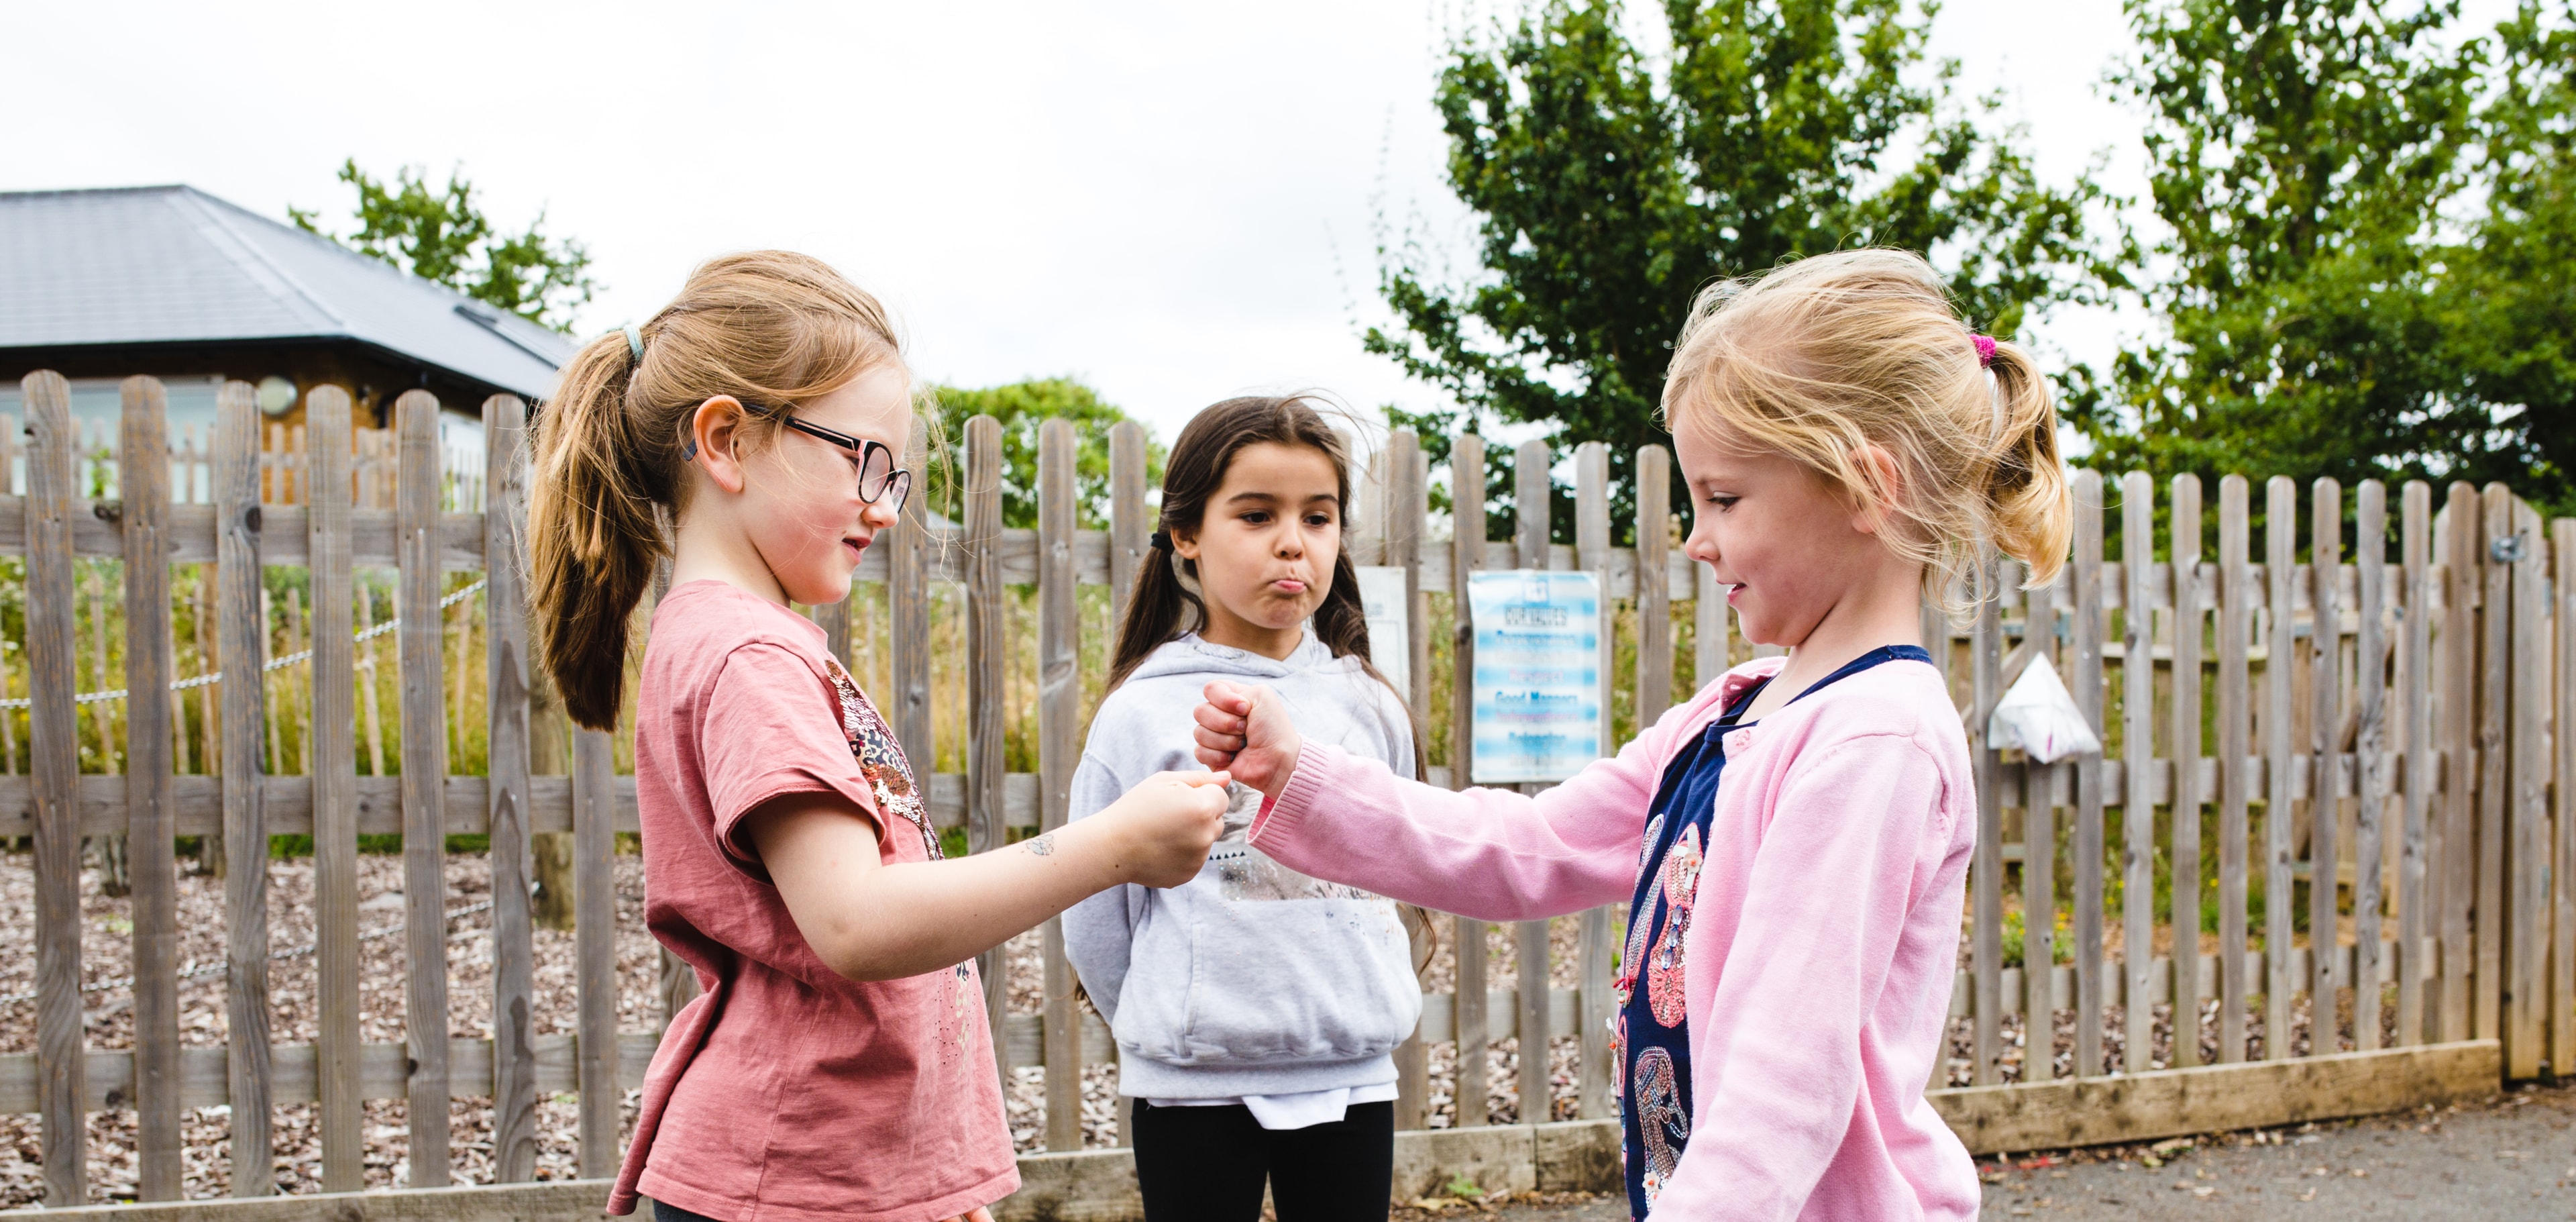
x: 1390, y: 646
x: 1538, y: 674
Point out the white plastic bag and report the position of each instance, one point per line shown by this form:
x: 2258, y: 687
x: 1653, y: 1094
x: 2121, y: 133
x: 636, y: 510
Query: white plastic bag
x: 2038, y: 715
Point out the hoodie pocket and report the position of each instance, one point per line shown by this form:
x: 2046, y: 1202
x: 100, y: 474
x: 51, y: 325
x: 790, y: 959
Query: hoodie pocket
x: 1296, y: 980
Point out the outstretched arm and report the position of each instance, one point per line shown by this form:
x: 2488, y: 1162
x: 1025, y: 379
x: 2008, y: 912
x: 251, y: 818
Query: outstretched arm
x: 1486, y: 853
x: 871, y: 921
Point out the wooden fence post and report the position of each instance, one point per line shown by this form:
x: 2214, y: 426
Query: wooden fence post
x: 2414, y: 661
x: 984, y: 692
x: 1059, y: 748
x: 2495, y: 653
x: 2562, y: 974
x: 2138, y: 753
x: 143, y: 460
x: 2370, y: 761
x: 243, y: 643
x: 594, y: 811
x: 1654, y: 586
x: 1532, y: 502
x: 1407, y: 503
x: 1130, y: 528
x: 2087, y: 677
x: 908, y: 614
x: 2527, y: 838
x: 2459, y: 855
x: 417, y: 504
x: 2325, y: 744
x: 53, y: 757
x: 2235, y: 742
x: 334, y: 768
x: 505, y: 666
x: 2280, y: 900
x: 1594, y: 1008
x: 1467, y: 554
x: 1986, y: 871
x: 2191, y: 602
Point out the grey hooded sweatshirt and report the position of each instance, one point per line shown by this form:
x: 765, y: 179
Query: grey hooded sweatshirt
x: 1251, y: 979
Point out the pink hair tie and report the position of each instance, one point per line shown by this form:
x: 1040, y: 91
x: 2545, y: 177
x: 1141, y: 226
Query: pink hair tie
x: 1985, y: 350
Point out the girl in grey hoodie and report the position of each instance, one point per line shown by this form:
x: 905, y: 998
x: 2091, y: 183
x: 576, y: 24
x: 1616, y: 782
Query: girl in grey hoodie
x: 1256, y: 1009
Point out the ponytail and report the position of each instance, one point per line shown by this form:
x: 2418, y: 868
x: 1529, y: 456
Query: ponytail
x: 765, y: 327
x: 595, y: 538
x: 2026, y: 497
x: 1159, y: 609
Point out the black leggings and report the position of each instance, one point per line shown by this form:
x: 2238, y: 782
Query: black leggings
x: 1207, y: 1164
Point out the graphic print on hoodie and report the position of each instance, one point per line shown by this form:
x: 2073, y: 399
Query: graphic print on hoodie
x: 1251, y: 979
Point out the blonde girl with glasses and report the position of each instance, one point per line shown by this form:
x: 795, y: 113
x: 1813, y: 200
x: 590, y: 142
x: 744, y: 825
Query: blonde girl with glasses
x: 838, y: 1063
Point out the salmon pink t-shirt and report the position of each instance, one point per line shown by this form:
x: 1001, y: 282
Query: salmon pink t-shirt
x: 786, y: 1092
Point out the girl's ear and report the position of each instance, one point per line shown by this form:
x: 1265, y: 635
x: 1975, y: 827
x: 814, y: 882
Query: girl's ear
x: 1871, y: 513
x: 1185, y: 543
x: 713, y: 431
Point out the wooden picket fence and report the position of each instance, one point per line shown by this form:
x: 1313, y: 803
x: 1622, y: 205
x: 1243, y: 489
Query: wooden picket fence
x: 2385, y: 724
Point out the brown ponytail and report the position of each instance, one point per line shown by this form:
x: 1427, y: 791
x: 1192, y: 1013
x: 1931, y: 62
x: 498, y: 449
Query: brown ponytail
x: 766, y: 327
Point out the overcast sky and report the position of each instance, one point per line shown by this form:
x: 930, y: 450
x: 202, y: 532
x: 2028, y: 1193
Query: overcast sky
x: 1173, y: 201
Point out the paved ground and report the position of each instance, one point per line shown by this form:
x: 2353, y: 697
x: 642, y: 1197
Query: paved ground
x: 2504, y: 1161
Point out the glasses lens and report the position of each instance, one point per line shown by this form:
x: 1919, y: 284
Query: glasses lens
x: 898, y: 490
x: 873, y: 470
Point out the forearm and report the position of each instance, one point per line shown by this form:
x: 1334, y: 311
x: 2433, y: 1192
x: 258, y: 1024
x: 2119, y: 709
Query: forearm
x: 893, y: 921
x: 1487, y: 853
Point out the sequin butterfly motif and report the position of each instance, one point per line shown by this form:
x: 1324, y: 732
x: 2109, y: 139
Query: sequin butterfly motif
x: 881, y: 759
x: 1664, y: 965
x: 1660, y: 1119
x: 889, y: 777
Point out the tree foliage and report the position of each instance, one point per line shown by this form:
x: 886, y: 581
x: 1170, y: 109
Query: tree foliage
x: 1021, y: 407
x: 2367, y: 236
x: 1609, y: 188
x: 442, y: 234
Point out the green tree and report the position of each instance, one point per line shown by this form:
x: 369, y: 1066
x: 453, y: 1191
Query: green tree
x: 1609, y: 188
x: 1021, y: 407
x: 442, y: 234
x: 2368, y: 232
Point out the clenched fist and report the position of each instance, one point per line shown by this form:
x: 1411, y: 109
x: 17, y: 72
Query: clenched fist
x: 1166, y: 824
x: 1246, y: 731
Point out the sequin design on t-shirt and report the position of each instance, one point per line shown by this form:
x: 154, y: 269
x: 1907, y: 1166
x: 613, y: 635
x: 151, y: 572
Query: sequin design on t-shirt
x: 881, y: 758
x: 889, y: 775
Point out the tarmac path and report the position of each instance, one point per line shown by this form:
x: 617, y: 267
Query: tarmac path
x: 2510, y: 1159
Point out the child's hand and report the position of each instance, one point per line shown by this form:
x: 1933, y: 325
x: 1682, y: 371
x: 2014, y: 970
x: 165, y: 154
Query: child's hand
x: 1246, y: 731
x: 1167, y: 823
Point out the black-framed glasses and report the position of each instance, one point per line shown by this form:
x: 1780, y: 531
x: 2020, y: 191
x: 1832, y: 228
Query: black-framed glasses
x: 878, y: 474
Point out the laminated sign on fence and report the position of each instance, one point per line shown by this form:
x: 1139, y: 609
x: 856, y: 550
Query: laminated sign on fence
x: 1538, y: 674
x: 1382, y: 603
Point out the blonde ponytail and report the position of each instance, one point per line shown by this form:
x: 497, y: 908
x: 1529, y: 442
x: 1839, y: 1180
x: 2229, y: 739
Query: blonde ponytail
x: 766, y: 327
x: 2027, y: 504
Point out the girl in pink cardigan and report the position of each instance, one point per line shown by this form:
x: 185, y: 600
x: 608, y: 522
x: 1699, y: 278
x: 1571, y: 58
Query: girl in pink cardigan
x: 1781, y: 998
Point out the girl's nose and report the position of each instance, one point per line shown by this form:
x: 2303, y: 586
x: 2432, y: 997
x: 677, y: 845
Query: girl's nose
x: 881, y: 513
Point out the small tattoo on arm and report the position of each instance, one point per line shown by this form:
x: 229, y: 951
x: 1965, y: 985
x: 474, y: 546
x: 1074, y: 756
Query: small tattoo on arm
x: 1043, y: 846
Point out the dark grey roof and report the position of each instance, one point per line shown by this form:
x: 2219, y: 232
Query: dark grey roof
x: 144, y: 265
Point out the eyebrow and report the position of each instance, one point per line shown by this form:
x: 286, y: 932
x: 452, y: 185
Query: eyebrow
x: 1268, y: 497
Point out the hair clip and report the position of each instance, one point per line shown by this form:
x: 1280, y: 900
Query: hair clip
x: 688, y: 449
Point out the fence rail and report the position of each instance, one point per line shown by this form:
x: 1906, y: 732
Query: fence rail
x: 2346, y: 741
